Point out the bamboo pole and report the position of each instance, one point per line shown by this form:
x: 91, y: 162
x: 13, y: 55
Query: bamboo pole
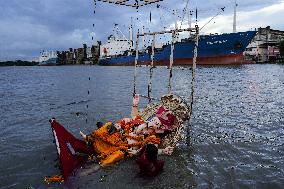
x: 151, y: 68
x: 136, y: 62
x: 193, y: 69
x: 169, y: 31
x: 171, y: 61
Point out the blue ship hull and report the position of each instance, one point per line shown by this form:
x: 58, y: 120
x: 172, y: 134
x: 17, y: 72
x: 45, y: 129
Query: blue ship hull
x: 212, y: 49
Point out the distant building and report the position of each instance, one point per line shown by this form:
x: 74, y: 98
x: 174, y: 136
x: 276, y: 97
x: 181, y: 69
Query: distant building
x: 95, y: 53
x: 84, y: 55
x: 263, y: 47
x: 70, y: 56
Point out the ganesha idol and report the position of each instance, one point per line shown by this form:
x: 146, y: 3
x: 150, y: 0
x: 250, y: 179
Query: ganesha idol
x: 158, y: 123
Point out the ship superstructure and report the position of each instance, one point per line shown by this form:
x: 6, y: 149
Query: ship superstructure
x: 117, y: 44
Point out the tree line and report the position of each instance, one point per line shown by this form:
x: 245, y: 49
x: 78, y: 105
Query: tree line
x: 18, y: 63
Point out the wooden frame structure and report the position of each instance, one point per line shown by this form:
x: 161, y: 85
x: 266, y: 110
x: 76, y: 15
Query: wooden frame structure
x: 131, y: 3
x: 171, y: 58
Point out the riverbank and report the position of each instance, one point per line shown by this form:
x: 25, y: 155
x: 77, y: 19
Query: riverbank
x: 28, y: 63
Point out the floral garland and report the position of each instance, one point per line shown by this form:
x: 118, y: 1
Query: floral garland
x: 116, y: 139
x: 128, y: 126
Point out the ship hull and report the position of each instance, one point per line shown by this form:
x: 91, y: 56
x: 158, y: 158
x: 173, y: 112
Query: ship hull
x: 217, y: 60
x: 222, y: 49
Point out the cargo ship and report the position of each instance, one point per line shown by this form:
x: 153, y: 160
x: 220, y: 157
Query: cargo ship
x: 217, y: 49
x: 223, y: 49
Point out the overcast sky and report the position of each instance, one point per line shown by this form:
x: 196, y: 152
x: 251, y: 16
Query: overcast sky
x: 29, y: 26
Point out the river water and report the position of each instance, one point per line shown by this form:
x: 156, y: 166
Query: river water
x: 236, y: 133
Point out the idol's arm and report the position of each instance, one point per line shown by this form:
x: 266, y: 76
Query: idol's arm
x: 134, y: 109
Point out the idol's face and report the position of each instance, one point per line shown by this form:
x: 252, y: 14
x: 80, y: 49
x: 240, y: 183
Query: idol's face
x: 117, y: 126
x: 154, y: 123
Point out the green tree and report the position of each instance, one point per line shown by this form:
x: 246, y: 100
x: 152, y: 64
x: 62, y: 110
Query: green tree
x: 18, y: 63
x: 281, y: 47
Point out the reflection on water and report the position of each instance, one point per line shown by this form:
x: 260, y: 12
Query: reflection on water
x: 236, y: 138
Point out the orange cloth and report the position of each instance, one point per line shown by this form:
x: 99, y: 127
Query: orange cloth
x: 106, y: 145
x: 112, y: 158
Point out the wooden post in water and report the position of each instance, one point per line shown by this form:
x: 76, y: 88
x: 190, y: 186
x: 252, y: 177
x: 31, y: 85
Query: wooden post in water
x: 171, y: 61
x: 151, y: 68
x: 136, y: 62
x: 193, y: 68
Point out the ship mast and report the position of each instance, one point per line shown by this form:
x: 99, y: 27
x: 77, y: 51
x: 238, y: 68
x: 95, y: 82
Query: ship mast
x: 143, y: 37
x: 189, y: 19
x: 235, y: 17
x: 131, y: 33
